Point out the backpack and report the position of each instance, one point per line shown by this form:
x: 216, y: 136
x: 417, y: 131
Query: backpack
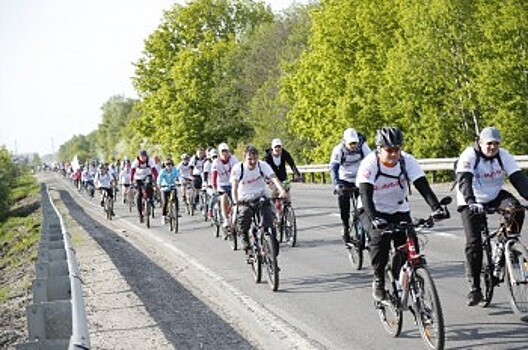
x: 362, y: 140
x: 398, y: 177
x: 242, y: 171
x: 477, y: 161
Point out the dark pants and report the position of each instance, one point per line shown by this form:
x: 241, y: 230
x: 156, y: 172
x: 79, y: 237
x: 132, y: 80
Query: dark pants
x: 140, y: 184
x: 165, y: 195
x: 380, y: 243
x: 473, y: 226
x: 245, y: 215
x: 343, y: 199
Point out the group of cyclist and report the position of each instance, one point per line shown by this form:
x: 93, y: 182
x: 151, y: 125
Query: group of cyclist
x: 380, y: 179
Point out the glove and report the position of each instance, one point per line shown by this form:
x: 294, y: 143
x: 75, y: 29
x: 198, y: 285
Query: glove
x: 338, y: 189
x: 476, y: 208
x: 440, y: 214
x: 379, y: 223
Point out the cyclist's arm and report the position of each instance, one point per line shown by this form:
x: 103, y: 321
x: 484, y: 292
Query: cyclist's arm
x: 465, y: 185
x: 520, y: 182
x: 288, y: 158
x: 132, y: 173
x: 366, y: 191
x: 215, y: 179
x: 422, y: 185
x: 277, y: 183
x: 334, y: 171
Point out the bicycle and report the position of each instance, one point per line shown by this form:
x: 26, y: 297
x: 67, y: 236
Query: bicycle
x: 108, y: 204
x: 131, y: 195
x: 172, y: 214
x: 204, y: 200
x: 410, y: 287
x: 145, y: 200
x: 359, y: 240
x: 287, y: 222
x: 505, y: 259
x: 263, y: 246
x: 189, y: 200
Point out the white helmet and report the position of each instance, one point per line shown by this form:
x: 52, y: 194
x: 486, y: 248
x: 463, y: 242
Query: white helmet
x: 223, y: 147
x: 213, y: 153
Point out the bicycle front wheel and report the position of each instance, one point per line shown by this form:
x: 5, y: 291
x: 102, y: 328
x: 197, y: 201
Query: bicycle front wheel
x: 486, y: 276
x: 428, y: 311
x: 517, y: 278
x: 110, y: 208
x: 290, y: 226
x: 355, y: 249
x: 389, y: 312
x: 270, y: 260
x: 147, y: 212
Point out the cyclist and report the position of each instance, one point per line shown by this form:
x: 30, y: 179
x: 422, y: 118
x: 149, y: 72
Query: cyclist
x: 142, y: 167
x: 125, y: 180
x: 103, y: 182
x: 185, y: 174
x: 480, y: 174
x: 222, y: 167
x: 249, y: 181
x: 344, y: 164
x: 383, y: 179
x: 197, y: 170
x: 277, y: 158
x: 167, y: 182
x: 207, y: 175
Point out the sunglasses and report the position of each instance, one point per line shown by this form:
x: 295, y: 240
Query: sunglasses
x: 352, y: 144
x: 169, y: 164
x: 494, y: 143
x: 391, y: 150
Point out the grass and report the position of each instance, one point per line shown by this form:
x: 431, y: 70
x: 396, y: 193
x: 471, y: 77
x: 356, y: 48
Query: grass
x: 19, y: 236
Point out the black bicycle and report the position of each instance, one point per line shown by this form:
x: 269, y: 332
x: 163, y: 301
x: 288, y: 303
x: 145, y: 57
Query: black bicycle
x: 359, y: 239
x: 173, y: 208
x: 505, y: 259
x: 287, y: 222
x: 411, y: 287
x: 264, y: 246
x: 108, y: 204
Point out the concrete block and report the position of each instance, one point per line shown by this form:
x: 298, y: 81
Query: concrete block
x: 55, y: 344
x: 50, y: 320
x: 51, y: 269
x: 51, y: 289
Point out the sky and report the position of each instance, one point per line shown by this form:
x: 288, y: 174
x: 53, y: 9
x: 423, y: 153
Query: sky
x: 62, y: 59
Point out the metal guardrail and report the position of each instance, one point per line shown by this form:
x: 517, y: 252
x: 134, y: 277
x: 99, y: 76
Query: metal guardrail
x: 427, y: 164
x: 57, y: 318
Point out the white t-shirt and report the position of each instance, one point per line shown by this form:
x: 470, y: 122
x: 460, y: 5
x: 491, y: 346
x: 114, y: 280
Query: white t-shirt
x: 142, y: 169
x: 207, y: 168
x: 253, y: 183
x: 348, y: 167
x: 488, y: 176
x: 390, y: 194
x: 198, y: 165
x: 124, y: 177
x: 224, y: 170
x: 185, y: 170
x: 103, y: 180
x: 277, y: 160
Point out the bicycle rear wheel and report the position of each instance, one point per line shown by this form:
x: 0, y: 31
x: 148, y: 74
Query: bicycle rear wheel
x: 290, y: 226
x: 486, y: 276
x: 517, y: 278
x: 390, y: 315
x: 110, y: 208
x: 428, y: 311
x: 147, y: 212
x: 232, y: 237
x: 355, y: 248
x: 270, y: 260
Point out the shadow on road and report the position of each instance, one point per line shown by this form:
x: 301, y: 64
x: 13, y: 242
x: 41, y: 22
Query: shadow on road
x: 185, y: 320
x: 328, y: 282
x: 515, y: 335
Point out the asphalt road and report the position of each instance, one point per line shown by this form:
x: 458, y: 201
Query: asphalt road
x: 321, y: 299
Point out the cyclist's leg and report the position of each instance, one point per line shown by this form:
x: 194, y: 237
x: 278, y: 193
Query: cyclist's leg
x: 139, y: 198
x: 473, y: 224
x: 379, y: 255
x: 243, y: 221
x: 344, y: 208
x: 197, y: 184
x: 184, y: 188
x: 268, y: 218
x: 164, y: 201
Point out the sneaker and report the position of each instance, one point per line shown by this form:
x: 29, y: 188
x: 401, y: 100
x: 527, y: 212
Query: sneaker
x: 474, y: 297
x: 346, y: 235
x: 225, y: 225
x: 141, y: 219
x: 246, y: 246
x: 162, y: 220
x: 102, y: 203
x: 378, y: 290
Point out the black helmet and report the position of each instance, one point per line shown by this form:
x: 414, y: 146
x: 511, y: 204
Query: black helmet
x: 389, y: 137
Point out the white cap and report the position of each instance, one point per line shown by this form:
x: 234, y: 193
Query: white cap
x: 223, y: 147
x: 490, y: 134
x: 276, y: 142
x: 350, y: 135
